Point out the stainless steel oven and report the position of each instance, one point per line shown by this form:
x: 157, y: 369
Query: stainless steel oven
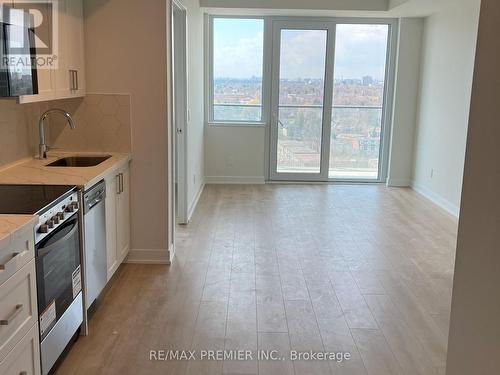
x: 58, y: 252
x: 58, y: 273
x: 59, y: 276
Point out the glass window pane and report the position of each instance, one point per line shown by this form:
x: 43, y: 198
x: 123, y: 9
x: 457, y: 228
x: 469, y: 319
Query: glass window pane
x: 301, y: 91
x: 237, y: 69
x: 358, y: 98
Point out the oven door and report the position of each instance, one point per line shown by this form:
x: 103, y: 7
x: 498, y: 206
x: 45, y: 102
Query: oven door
x: 58, y: 273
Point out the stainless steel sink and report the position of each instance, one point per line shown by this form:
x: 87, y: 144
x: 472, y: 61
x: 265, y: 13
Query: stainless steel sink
x: 79, y: 161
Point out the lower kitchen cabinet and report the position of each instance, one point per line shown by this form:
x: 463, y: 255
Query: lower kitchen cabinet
x: 19, y: 335
x: 117, y: 218
x: 24, y: 359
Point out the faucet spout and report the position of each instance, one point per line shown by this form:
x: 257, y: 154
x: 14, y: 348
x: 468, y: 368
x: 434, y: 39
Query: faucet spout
x: 43, y: 148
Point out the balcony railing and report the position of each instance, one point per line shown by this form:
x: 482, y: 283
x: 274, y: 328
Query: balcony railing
x: 312, y: 106
x: 253, y: 112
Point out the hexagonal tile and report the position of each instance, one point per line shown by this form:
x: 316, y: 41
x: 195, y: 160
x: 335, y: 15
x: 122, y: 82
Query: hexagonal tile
x: 93, y: 114
x: 123, y: 99
x: 109, y: 123
x: 123, y: 115
x: 108, y: 105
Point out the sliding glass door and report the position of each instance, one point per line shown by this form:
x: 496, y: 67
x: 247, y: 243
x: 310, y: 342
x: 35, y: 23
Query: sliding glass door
x: 329, y: 102
x: 300, y: 110
x: 358, y: 101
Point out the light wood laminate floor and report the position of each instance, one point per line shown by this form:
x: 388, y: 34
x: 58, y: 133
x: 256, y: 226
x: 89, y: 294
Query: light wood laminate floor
x: 360, y: 269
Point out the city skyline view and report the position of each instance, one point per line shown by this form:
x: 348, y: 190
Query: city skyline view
x: 239, y: 43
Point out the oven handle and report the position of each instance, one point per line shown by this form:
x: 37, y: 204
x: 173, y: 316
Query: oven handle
x: 48, y: 249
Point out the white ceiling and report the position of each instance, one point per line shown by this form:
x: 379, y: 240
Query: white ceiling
x: 339, y: 8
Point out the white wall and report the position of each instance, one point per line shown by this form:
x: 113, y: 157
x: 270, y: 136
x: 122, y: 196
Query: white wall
x: 474, y: 342
x: 445, y: 89
x: 195, y: 127
x: 235, y: 154
x: 126, y: 52
x: 405, y: 101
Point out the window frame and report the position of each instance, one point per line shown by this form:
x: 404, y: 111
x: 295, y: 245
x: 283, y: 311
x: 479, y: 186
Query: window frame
x: 267, y: 80
x: 209, y: 73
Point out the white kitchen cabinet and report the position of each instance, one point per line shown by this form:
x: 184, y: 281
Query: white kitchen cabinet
x: 117, y: 218
x: 18, y: 308
x: 68, y: 80
x: 19, y: 336
x: 24, y: 359
x: 123, y: 215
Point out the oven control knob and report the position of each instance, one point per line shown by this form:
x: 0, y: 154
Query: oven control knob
x: 44, y: 228
x: 69, y: 208
x: 60, y: 215
x: 55, y: 219
x: 50, y: 223
x: 75, y: 205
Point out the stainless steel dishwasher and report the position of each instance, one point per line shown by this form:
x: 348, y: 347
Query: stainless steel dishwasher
x: 95, y: 242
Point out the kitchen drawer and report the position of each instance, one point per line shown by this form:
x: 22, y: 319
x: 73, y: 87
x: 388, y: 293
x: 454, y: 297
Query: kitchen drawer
x: 24, y: 359
x: 18, y: 307
x: 16, y: 254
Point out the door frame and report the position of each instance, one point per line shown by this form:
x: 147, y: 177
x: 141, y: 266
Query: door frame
x: 300, y: 24
x: 387, y: 107
x: 179, y: 112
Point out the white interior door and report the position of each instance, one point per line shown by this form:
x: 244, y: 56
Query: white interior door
x: 179, y: 87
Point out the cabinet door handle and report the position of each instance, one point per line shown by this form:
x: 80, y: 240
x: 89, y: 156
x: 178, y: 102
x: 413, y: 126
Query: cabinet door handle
x: 7, y: 264
x: 121, y: 183
x: 118, y: 184
x: 71, y: 79
x: 12, y: 316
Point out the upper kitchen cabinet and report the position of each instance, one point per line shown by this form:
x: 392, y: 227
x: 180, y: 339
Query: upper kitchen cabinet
x: 68, y: 80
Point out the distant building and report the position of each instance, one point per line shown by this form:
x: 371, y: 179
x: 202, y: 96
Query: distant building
x: 368, y: 81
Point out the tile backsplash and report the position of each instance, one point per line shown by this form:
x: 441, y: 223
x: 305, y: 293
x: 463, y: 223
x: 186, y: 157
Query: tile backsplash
x: 18, y: 127
x: 102, y: 124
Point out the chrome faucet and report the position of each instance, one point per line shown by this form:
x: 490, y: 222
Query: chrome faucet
x: 43, y: 148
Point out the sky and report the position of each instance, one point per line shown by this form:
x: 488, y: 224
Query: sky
x: 238, y: 50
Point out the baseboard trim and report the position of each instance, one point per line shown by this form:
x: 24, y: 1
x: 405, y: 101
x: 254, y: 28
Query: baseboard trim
x: 171, y: 252
x: 398, y: 182
x: 243, y: 180
x: 195, y: 202
x: 436, y: 199
x: 148, y: 256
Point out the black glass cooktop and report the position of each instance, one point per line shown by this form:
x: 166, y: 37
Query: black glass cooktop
x: 30, y: 199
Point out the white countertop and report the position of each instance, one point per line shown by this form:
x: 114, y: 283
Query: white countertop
x: 35, y: 171
x: 10, y: 224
